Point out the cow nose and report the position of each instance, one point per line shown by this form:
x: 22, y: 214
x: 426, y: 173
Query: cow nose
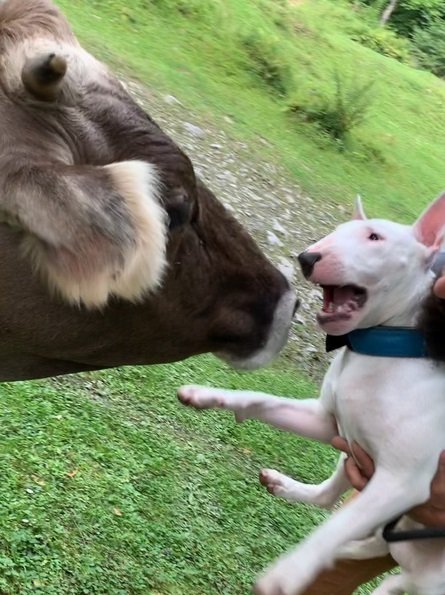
x: 307, y: 261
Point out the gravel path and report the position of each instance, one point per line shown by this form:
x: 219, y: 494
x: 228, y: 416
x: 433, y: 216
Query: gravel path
x: 281, y: 218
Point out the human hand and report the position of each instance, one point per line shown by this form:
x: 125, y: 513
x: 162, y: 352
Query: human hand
x: 439, y: 287
x: 360, y: 468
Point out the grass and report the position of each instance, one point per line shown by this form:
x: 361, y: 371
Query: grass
x: 250, y: 59
x: 110, y: 486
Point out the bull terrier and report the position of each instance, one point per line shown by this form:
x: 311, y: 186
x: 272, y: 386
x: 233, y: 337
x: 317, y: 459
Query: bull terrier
x: 380, y: 390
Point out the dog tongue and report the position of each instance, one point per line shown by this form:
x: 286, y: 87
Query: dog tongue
x: 341, y: 295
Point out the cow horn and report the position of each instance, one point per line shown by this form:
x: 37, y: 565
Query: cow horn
x: 42, y: 76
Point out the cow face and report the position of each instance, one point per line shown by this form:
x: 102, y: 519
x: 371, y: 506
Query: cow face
x: 114, y: 253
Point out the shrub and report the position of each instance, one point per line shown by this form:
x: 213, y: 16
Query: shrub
x: 386, y: 42
x: 341, y: 112
x: 429, y: 47
x: 268, y: 61
x: 192, y: 9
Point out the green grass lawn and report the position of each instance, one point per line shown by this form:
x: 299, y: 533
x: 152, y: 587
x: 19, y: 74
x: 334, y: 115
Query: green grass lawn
x: 110, y: 486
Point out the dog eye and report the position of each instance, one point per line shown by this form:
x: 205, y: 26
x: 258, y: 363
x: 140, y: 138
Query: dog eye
x: 374, y: 237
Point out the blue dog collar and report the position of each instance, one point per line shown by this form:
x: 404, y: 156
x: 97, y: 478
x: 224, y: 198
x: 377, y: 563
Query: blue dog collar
x: 382, y: 341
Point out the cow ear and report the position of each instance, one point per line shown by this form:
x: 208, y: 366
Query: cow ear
x: 358, y: 212
x: 429, y: 228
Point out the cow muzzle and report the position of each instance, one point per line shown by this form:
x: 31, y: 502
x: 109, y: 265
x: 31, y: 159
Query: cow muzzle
x: 277, y: 337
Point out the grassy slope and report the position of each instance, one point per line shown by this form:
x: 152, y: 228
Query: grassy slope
x: 201, y: 59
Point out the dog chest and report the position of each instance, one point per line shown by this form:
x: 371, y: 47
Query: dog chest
x: 378, y: 401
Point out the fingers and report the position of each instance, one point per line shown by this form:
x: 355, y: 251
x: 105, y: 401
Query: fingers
x: 438, y: 484
x: 364, y: 461
x: 354, y: 474
x: 428, y: 515
x: 439, y: 288
x: 359, y: 466
x: 341, y: 444
x: 432, y: 512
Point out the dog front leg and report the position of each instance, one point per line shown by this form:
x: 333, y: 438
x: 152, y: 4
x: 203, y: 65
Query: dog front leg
x: 384, y: 498
x: 306, y: 417
x: 324, y: 494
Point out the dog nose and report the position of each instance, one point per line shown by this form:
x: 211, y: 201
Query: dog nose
x: 307, y: 261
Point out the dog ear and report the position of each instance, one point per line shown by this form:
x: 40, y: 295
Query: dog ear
x: 358, y: 212
x: 429, y: 228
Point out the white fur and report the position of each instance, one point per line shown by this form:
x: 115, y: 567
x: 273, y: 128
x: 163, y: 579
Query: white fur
x: 395, y: 408
x: 143, y: 264
x: 138, y: 182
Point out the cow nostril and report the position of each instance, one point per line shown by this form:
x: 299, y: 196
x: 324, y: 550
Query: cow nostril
x: 296, y: 306
x: 307, y: 261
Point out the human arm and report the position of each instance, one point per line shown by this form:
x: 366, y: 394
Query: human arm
x: 360, y: 467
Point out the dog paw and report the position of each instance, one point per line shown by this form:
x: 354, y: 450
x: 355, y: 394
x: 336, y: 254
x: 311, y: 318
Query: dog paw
x: 268, y: 586
x: 275, y: 482
x: 281, y: 585
x: 289, y: 575
x: 200, y: 397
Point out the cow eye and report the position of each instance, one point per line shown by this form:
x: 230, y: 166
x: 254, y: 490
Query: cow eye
x: 374, y: 237
x: 178, y: 215
x: 179, y: 209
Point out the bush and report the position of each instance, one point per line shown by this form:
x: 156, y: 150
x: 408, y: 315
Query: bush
x: 193, y: 9
x: 268, y: 61
x: 386, y: 42
x: 338, y: 114
x: 429, y: 47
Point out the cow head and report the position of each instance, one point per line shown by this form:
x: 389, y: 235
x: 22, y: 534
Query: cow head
x: 113, y: 252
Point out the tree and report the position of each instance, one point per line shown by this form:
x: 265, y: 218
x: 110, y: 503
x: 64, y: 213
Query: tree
x: 387, y: 12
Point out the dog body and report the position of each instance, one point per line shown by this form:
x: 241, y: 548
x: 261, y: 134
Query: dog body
x: 373, y: 273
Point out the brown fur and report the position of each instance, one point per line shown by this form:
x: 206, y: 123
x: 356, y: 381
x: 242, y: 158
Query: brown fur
x: 90, y: 227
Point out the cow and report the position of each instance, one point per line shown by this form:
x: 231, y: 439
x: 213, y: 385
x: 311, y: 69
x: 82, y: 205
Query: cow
x: 113, y: 252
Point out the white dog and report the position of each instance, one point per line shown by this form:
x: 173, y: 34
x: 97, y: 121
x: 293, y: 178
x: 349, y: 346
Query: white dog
x: 374, y: 273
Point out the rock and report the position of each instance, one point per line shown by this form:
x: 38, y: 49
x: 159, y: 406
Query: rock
x: 273, y: 240
x: 194, y: 130
x: 216, y: 146
x: 279, y: 228
x: 227, y: 176
x: 171, y: 100
x: 287, y: 269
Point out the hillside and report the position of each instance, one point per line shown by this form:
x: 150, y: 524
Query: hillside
x: 249, y: 60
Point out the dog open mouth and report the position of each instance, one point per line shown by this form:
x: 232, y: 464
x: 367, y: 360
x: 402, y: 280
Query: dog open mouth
x: 340, y: 302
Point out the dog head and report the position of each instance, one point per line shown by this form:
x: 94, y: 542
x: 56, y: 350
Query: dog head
x: 373, y: 271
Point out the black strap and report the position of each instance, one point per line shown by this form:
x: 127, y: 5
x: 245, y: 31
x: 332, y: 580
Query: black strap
x: 392, y: 536
x: 335, y: 342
